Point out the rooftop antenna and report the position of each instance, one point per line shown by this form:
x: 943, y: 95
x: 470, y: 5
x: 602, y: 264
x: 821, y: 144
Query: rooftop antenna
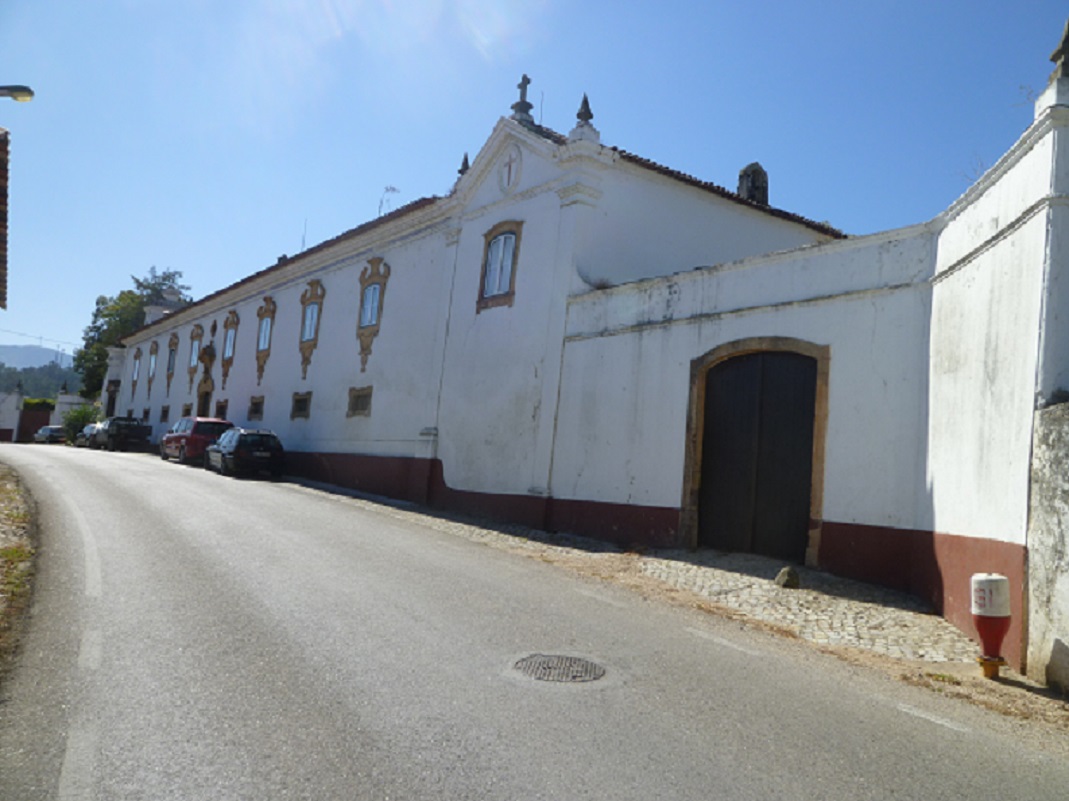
x: 389, y: 190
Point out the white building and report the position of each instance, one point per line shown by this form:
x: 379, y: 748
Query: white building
x: 541, y: 345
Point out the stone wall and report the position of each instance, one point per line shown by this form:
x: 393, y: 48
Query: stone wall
x: 1048, y: 549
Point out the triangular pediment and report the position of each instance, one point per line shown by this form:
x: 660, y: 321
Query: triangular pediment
x: 514, y: 160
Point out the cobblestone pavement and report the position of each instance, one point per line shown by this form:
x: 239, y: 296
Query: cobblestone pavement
x: 826, y: 610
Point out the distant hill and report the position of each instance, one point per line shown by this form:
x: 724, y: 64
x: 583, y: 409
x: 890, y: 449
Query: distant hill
x: 20, y: 356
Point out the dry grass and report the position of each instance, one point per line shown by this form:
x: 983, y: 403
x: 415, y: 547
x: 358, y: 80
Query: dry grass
x: 16, y: 562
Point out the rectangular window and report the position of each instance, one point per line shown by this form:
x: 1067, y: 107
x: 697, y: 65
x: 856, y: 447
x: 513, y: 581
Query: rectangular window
x: 369, y: 309
x: 137, y: 369
x: 220, y: 408
x: 263, y: 341
x: 359, y: 402
x: 501, y: 254
x: 194, y: 353
x: 302, y: 405
x: 145, y: 415
x: 152, y: 365
x: 130, y: 413
x: 165, y: 413
x: 172, y: 355
x: 187, y: 409
x: 256, y: 408
x: 311, y: 317
x: 499, y: 265
x: 228, y: 343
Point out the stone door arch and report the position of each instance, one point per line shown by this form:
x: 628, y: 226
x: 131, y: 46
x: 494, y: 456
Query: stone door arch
x: 755, y: 448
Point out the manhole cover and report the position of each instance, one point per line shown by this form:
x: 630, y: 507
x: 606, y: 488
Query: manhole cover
x: 559, y: 668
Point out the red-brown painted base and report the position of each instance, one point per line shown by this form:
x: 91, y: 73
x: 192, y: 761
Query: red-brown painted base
x: 934, y: 566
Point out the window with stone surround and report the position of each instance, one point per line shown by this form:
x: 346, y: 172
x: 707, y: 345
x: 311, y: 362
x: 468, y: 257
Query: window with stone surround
x: 359, y: 402
x: 501, y: 254
x: 302, y: 406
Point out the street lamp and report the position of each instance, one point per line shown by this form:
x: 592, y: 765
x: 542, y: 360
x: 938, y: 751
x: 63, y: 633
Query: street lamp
x: 19, y: 93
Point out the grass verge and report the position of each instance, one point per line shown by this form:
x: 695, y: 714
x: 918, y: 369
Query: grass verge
x: 16, y: 563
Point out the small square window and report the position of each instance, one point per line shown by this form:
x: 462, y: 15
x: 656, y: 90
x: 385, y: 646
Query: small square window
x: 220, y: 409
x: 187, y: 409
x: 359, y: 402
x: 129, y: 412
x: 256, y: 408
x: 145, y: 415
x: 302, y: 405
x: 165, y: 413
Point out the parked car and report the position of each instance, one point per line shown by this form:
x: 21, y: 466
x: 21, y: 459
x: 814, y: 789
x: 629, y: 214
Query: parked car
x: 120, y: 434
x: 189, y: 436
x: 246, y: 450
x: 50, y: 434
x: 84, y: 438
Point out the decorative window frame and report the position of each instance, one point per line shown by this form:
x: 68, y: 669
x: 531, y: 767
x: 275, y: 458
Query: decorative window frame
x: 153, y: 358
x: 135, y: 373
x: 187, y: 409
x: 300, y: 398
x: 375, y: 275
x: 196, y: 339
x: 506, y: 298
x: 256, y: 408
x: 312, y: 297
x: 263, y: 352
x: 359, y: 402
x: 230, y: 342
x: 172, y: 359
x: 221, y: 408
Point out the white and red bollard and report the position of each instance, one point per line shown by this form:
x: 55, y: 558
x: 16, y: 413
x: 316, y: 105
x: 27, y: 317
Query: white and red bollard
x: 991, y: 615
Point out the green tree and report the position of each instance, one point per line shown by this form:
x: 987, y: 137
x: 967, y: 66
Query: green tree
x: 119, y: 316
x: 77, y: 419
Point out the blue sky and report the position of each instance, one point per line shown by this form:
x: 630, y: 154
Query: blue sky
x: 212, y: 136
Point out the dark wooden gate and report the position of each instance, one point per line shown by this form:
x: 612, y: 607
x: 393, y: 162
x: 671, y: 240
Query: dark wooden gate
x: 757, y: 454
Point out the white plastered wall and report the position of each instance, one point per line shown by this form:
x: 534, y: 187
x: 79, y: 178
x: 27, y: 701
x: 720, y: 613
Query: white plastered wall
x: 625, y: 392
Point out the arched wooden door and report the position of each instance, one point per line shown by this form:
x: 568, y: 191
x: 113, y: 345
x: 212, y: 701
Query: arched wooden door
x: 757, y: 454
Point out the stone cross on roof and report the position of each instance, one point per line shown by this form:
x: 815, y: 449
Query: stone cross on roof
x: 521, y: 109
x: 1060, y: 55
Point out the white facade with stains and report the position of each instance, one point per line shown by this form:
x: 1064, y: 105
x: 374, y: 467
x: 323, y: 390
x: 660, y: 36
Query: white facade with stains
x: 547, y: 334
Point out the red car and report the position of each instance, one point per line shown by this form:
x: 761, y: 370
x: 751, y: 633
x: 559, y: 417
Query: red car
x: 189, y: 436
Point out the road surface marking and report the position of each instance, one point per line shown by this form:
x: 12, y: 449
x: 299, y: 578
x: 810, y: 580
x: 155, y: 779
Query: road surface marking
x: 721, y: 641
x: 89, y: 655
x: 604, y: 599
x: 76, y: 775
x: 920, y: 713
x: 93, y: 581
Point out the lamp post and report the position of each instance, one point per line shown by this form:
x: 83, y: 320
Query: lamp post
x: 20, y: 93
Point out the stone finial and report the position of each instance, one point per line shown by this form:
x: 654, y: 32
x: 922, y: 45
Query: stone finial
x: 464, y: 165
x: 584, y: 115
x: 521, y: 109
x: 753, y: 183
x: 1060, y: 55
x: 583, y: 130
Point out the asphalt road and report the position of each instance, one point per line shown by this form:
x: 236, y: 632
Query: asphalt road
x: 200, y: 637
